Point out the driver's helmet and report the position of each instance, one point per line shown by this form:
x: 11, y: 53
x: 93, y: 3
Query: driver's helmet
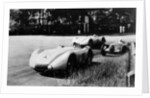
x: 121, y: 41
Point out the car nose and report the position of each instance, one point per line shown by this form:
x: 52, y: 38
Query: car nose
x: 41, y: 68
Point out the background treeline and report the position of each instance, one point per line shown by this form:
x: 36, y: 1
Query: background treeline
x: 72, y: 21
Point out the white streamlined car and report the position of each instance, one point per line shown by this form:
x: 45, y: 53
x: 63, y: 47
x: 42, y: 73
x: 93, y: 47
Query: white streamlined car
x: 116, y: 47
x: 91, y: 41
x: 60, y: 58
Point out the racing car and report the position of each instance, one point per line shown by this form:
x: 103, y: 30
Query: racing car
x: 114, y: 48
x: 61, y: 58
x: 93, y: 41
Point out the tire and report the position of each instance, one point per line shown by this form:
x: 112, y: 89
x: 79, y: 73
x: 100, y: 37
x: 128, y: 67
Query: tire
x: 103, y: 52
x: 71, y: 64
x: 89, y: 58
x: 124, y: 49
x: 102, y: 49
x: 90, y: 43
x: 112, y: 49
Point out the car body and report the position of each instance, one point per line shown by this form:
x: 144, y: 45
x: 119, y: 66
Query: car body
x: 116, y: 47
x: 60, y: 58
x: 92, y: 41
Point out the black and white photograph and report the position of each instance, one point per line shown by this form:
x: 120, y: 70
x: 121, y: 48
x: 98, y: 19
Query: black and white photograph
x: 72, y: 47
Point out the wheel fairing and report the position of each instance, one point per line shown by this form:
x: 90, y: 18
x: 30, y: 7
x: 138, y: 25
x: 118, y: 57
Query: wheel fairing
x: 61, y: 61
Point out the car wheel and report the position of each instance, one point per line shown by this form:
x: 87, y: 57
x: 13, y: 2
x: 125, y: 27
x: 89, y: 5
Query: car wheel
x: 90, y: 43
x: 103, y: 52
x: 112, y: 49
x: 89, y: 58
x: 103, y: 47
x: 124, y: 49
x: 71, y: 64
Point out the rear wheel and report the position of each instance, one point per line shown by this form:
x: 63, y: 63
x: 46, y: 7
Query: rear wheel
x: 89, y: 58
x: 112, y: 49
x: 90, y: 43
x: 124, y: 49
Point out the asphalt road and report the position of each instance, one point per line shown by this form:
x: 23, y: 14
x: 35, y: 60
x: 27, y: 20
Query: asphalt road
x: 25, y: 75
x: 20, y: 48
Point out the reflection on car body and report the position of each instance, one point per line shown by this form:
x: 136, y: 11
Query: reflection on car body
x: 60, y: 58
x: 92, y: 41
x: 117, y: 47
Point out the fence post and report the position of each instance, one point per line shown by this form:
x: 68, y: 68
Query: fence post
x: 130, y: 76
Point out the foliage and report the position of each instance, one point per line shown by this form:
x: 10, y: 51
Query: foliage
x: 69, y: 21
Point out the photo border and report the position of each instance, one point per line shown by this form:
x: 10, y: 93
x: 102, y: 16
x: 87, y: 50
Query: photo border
x: 137, y: 90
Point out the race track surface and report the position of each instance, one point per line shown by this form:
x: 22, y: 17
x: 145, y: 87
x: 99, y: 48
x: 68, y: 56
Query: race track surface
x: 20, y: 48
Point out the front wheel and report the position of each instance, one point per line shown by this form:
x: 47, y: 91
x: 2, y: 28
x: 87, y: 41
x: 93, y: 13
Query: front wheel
x: 71, y: 64
x: 103, y: 52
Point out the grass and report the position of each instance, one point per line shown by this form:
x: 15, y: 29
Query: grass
x: 108, y: 72
x: 105, y: 71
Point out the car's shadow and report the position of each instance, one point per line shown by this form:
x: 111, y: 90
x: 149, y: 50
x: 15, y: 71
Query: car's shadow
x: 115, y: 54
x: 62, y: 73
x: 55, y: 74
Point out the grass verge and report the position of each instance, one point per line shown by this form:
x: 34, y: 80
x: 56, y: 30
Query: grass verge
x: 105, y: 71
